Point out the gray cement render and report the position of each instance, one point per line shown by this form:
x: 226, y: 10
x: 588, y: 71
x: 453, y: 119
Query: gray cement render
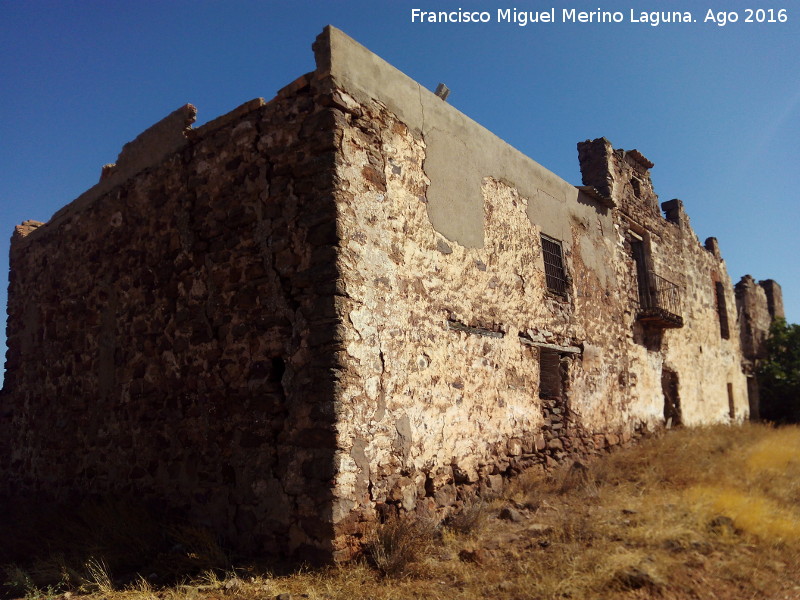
x: 460, y: 153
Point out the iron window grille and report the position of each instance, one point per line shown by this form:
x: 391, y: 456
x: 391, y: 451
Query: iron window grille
x: 554, y: 272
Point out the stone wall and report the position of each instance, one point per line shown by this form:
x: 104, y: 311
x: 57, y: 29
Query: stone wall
x: 755, y: 318
x: 446, y: 326
x: 774, y: 298
x: 168, y: 331
x: 316, y: 311
x: 758, y: 305
x: 704, y: 353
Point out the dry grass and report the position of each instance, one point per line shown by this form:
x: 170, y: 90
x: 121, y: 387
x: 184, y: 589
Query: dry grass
x: 704, y: 513
x: 98, y: 546
x: 397, y: 545
x: 471, y: 518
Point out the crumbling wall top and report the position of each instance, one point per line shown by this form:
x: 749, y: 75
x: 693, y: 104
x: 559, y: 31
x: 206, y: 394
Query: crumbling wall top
x: 774, y: 298
x: 675, y: 213
x: 26, y: 227
x: 712, y: 245
x: 621, y: 175
x: 149, y: 148
x: 155, y: 142
x: 636, y: 159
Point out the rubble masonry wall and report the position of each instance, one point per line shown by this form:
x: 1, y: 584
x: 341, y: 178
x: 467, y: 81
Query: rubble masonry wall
x: 167, y: 332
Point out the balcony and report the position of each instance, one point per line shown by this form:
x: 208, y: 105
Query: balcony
x: 659, y: 302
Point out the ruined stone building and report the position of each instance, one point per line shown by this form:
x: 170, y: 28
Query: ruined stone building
x: 758, y: 304
x: 352, y: 299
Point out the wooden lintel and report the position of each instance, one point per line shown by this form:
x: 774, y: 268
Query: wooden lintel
x: 565, y: 349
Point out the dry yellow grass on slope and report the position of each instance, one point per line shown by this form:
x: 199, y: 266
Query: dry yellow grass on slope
x: 698, y: 513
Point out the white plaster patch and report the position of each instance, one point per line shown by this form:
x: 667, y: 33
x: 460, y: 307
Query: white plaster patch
x: 372, y: 387
x: 362, y: 320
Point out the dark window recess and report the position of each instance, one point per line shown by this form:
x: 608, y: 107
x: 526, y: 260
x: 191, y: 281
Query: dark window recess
x: 637, y: 187
x: 642, y: 278
x: 731, y: 404
x: 554, y: 266
x: 549, y: 373
x: 722, y: 310
x: 278, y: 368
x: 672, y: 401
x: 659, y: 298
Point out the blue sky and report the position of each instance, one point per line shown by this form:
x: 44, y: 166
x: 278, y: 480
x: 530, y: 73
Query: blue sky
x: 717, y: 109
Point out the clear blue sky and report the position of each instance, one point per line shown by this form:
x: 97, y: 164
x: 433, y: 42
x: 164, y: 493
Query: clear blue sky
x: 717, y: 109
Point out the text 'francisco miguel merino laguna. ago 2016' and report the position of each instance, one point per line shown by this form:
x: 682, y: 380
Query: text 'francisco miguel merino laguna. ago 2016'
x: 572, y: 15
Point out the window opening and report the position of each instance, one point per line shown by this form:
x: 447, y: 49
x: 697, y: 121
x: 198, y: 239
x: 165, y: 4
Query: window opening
x: 642, y: 279
x: 722, y: 310
x: 277, y: 369
x: 637, y: 187
x: 549, y: 374
x: 554, y: 272
x: 672, y: 401
x: 659, y: 299
x: 731, y: 406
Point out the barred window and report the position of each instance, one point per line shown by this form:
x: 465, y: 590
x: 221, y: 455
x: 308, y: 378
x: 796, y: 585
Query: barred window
x: 554, y: 266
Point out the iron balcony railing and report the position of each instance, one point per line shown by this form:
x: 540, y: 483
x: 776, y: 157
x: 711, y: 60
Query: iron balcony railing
x: 659, y: 302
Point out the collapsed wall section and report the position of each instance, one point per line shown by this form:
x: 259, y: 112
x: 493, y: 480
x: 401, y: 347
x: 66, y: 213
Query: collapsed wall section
x: 168, y: 332
x: 758, y: 304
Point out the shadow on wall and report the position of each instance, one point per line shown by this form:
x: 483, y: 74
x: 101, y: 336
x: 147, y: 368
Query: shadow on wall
x: 185, y: 321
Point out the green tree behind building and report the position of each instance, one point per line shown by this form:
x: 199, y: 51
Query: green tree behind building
x: 779, y: 374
